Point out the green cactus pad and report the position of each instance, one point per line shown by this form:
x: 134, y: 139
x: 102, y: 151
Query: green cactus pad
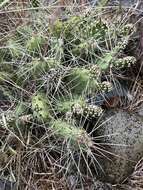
x: 105, y: 61
x: 65, y: 105
x: 98, y: 29
x: 37, y: 67
x: 57, y: 29
x: 71, y: 27
x: 35, y: 43
x: 76, y: 136
x: 40, y: 107
x: 80, y: 80
x: 21, y: 109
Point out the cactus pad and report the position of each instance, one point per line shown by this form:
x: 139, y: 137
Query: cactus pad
x: 40, y: 107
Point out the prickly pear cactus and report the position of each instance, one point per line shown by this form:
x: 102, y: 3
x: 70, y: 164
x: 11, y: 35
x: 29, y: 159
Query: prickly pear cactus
x: 111, y: 59
x: 57, y: 75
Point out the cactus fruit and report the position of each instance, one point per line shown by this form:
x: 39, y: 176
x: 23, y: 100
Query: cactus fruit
x: 88, y: 111
x: 121, y: 45
x: 40, y: 108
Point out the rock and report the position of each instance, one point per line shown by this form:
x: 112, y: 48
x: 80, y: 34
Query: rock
x: 127, y: 3
x: 98, y: 185
x: 7, y: 185
x: 123, y: 138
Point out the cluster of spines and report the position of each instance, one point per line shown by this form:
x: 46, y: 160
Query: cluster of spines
x: 88, y: 110
x: 127, y: 61
x: 95, y: 71
x: 105, y: 86
x: 93, y: 111
x: 8, y: 119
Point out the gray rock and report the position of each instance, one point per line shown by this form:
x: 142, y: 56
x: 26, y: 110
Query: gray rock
x: 127, y: 3
x: 123, y: 133
x: 98, y: 185
x: 7, y: 185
